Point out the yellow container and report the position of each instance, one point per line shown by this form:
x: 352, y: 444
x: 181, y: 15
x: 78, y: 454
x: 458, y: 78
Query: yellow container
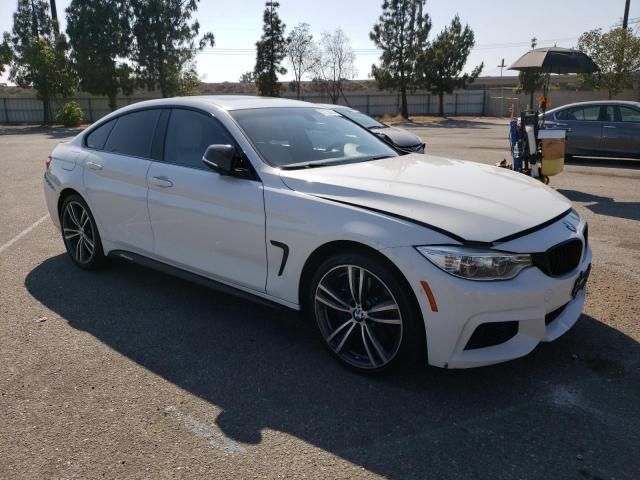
x: 553, y: 144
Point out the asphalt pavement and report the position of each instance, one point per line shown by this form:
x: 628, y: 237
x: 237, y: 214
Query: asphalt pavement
x: 128, y: 373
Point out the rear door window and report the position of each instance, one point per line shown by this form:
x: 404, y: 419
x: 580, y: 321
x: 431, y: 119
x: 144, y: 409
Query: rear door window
x: 133, y: 134
x: 97, y: 138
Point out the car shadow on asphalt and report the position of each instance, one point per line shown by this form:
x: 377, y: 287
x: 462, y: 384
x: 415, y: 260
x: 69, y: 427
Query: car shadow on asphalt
x: 265, y: 368
x: 604, y: 205
x: 51, y: 132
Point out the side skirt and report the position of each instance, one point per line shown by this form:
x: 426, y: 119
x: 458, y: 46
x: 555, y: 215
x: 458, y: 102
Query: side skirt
x: 195, y: 278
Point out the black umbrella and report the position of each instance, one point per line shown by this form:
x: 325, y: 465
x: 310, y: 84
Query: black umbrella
x: 555, y: 60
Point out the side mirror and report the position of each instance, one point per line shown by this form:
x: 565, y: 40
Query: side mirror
x: 220, y: 158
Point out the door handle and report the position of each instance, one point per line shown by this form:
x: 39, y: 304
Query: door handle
x: 609, y: 126
x: 563, y: 126
x: 94, y: 165
x: 162, y: 182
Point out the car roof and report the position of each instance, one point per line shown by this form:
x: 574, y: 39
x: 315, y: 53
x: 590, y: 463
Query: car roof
x: 224, y: 102
x: 241, y: 102
x: 596, y: 102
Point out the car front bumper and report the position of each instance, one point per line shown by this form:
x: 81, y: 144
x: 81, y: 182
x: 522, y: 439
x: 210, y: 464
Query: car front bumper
x: 544, y: 308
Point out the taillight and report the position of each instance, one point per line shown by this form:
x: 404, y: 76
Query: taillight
x: 47, y: 162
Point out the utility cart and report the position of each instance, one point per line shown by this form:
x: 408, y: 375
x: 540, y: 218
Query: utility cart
x: 535, y: 150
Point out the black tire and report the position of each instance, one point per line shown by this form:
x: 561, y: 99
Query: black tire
x: 359, y: 351
x: 80, y: 233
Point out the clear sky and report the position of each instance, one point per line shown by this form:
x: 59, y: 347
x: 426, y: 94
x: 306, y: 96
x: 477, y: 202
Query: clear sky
x: 503, y: 28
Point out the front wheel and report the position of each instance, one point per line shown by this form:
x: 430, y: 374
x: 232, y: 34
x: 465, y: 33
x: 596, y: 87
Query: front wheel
x: 80, y: 233
x: 366, y: 315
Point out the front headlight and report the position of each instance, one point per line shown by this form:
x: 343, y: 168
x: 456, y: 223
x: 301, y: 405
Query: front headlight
x: 476, y: 264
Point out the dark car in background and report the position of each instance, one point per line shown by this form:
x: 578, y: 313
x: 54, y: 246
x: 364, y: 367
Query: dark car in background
x: 599, y: 128
x: 397, y: 137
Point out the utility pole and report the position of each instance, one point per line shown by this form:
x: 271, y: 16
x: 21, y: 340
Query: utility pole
x: 501, y: 67
x: 625, y: 19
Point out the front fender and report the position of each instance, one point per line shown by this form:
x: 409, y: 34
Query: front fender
x: 303, y: 223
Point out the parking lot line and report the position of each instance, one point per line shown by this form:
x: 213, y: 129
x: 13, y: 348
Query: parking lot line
x: 23, y: 233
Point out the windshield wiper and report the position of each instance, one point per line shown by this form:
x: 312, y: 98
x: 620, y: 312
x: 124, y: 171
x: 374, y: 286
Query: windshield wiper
x: 319, y: 163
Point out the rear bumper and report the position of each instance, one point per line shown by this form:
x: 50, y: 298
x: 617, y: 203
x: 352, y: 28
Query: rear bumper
x: 51, y: 195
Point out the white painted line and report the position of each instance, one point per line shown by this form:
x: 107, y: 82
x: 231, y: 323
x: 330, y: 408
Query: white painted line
x: 212, y: 434
x: 23, y: 233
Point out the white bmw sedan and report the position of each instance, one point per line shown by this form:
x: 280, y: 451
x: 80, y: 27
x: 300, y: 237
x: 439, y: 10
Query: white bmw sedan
x: 393, y: 256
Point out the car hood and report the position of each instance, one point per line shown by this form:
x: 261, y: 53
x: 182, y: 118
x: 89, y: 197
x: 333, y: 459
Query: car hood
x: 472, y: 201
x: 399, y: 137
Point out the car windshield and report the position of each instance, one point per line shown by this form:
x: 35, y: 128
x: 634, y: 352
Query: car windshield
x: 304, y: 137
x: 360, y: 118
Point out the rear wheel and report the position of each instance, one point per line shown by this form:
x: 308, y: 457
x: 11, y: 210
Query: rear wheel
x: 365, y: 314
x: 80, y: 233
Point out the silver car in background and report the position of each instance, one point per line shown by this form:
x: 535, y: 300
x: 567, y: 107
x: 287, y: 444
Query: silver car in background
x: 600, y: 128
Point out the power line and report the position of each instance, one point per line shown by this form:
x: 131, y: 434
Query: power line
x: 375, y: 51
x: 631, y: 22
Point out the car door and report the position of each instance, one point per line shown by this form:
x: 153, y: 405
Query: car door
x: 621, y: 135
x: 584, y: 129
x: 115, y: 179
x: 203, y: 221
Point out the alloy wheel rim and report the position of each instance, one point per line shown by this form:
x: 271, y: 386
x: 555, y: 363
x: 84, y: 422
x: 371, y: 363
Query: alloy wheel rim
x: 78, y: 233
x: 358, y: 316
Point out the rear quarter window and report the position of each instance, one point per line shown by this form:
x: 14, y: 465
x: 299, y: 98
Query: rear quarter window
x: 561, y: 115
x: 97, y: 138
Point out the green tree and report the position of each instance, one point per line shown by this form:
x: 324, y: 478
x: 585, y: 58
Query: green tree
x: 270, y: 52
x: 529, y: 81
x: 301, y: 53
x: 247, y: 77
x: 38, y: 56
x: 6, y: 55
x: 165, y: 43
x: 100, y: 38
x: 401, y: 33
x: 188, y: 81
x: 444, y: 59
x: 617, y: 54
